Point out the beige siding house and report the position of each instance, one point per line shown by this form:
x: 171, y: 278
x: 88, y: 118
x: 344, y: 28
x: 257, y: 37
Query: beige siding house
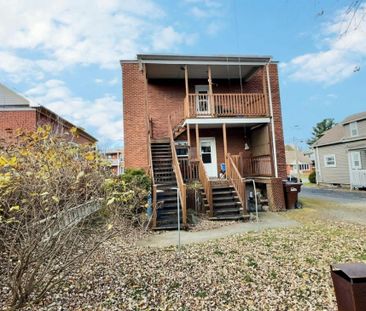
x: 340, y: 154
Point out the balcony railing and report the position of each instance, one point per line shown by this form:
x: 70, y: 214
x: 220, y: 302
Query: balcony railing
x: 358, y: 178
x: 259, y: 166
x: 225, y: 105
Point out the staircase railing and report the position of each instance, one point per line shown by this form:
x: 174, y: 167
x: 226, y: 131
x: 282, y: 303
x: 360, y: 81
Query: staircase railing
x: 189, y: 169
x: 151, y: 172
x: 206, y: 184
x: 178, y: 174
x: 237, y: 181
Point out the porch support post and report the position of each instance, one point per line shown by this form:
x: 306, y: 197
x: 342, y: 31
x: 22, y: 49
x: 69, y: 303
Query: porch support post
x: 197, y: 142
x: 210, y: 97
x: 186, y: 78
x: 186, y: 100
x: 225, y: 143
x: 189, y: 141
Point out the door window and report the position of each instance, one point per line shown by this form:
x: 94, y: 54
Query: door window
x: 202, y: 102
x: 206, y: 153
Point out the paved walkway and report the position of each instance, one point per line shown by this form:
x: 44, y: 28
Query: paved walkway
x: 267, y: 220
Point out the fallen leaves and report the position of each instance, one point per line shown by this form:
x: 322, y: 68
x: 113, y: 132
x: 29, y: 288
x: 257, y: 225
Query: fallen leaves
x: 281, y: 269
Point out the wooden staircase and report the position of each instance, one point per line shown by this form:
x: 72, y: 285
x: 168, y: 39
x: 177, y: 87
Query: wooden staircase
x: 225, y: 203
x: 164, y: 176
x: 179, y: 129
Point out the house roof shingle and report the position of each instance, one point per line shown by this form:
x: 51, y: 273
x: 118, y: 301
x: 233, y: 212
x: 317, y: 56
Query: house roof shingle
x: 355, y: 117
x: 337, y: 133
x: 291, y: 157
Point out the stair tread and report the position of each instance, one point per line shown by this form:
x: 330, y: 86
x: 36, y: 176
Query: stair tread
x: 214, y: 189
x: 227, y: 210
x: 221, y: 198
x: 233, y: 217
x: 223, y: 204
x: 222, y: 193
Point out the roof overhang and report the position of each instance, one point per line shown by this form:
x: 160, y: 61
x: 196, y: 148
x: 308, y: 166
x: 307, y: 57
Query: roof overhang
x: 230, y: 122
x: 160, y: 66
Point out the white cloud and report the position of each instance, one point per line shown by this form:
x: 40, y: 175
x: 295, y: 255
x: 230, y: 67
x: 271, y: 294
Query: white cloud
x: 345, y: 38
x: 210, y: 12
x: 102, y: 116
x: 167, y: 38
x: 68, y: 32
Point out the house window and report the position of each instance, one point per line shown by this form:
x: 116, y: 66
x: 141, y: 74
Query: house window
x: 356, y: 160
x: 304, y: 167
x: 354, y: 129
x: 330, y: 160
x: 182, y: 149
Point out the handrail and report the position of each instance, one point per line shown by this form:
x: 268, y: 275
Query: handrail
x: 151, y: 172
x: 206, y: 184
x: 226, y: 105
x: 237, y: 181
x: 178, y: 174
x: 189, y: 169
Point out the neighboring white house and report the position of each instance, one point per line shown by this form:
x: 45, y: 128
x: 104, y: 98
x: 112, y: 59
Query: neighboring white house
x: 296, y: 157
x: 340, y: 154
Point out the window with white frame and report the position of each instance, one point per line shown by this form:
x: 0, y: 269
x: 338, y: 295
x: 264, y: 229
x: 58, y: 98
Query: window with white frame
x: 354, y: 129
x: 304, y: 167
x: 356, y: 160
x: 330, y: 160
x: 182, y: 149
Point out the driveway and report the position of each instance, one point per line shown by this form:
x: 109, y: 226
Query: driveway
x: 329, y: 204
x: 338, y: 195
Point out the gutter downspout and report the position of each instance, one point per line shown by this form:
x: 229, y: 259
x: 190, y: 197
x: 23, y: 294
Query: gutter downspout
x: 317, y: 166
x: 272, y: 121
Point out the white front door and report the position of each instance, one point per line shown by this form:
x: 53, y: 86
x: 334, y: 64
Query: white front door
x: 208, y: 155
x: 202, y: 101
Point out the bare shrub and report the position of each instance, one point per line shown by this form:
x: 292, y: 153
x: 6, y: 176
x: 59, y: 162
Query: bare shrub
x: 48, y: 187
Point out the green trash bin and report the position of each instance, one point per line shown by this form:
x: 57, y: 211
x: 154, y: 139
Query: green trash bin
x: 349, y: 282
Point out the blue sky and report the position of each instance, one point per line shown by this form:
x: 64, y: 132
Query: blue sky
x: 65, y: 54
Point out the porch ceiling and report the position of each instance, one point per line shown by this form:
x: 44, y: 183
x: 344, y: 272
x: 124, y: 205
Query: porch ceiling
x: 230, y: 122
x: 223, y: 71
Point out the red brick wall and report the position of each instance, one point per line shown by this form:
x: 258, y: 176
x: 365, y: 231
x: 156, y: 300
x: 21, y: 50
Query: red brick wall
x: 59, y: 128
x: 275, y: 193
x: 11, y: 121
x: 29, y: 120
x: 277, y: 116
x: 134, y: 117
x: 165, y: 97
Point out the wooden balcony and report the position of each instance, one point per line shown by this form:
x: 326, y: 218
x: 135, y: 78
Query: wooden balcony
x: 260, y: 166
x: 250, y: 105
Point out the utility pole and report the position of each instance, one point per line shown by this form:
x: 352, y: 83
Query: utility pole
x: 297, y: 161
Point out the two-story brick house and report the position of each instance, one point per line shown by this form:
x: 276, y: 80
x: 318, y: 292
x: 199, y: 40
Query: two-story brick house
x: 19, y: 113
x: 340, y: 154
x: 216, y: 119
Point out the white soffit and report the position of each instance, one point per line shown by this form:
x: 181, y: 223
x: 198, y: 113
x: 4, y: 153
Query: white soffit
x: 176, y: 71
x: 230, y: 122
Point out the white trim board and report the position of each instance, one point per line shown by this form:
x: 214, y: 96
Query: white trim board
x: 207, y: 121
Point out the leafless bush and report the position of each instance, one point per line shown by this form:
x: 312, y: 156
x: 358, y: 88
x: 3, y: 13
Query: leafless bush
x: 48, y: 187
